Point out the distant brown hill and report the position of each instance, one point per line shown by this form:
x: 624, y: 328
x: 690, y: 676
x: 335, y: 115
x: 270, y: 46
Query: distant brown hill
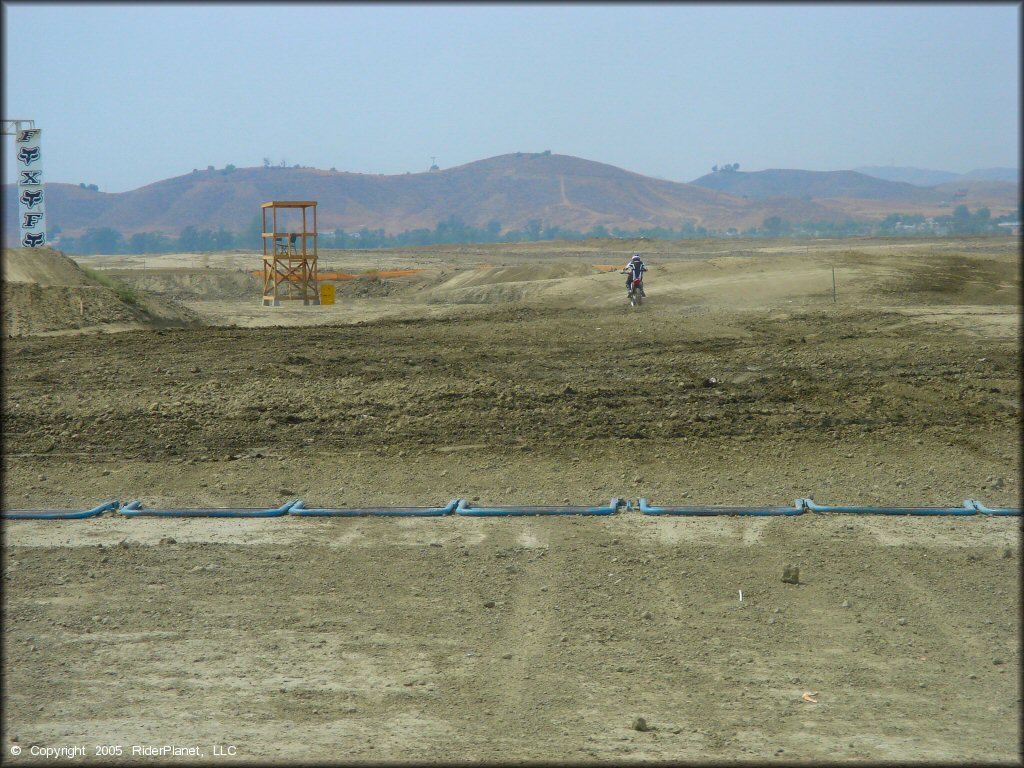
x: 807, y: 185
x: 511, y: 189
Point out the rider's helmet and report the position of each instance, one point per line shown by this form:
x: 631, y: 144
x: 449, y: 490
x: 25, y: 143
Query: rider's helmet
x: 636, y: 257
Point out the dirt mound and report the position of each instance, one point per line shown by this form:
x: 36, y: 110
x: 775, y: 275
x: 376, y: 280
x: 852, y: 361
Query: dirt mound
x: 753, y: 279
x: 43, y: 266
x: 954, y: 279
x: 562, y: 281
x: 737, y: 281
x: 30, y: 309
x: 46, y: 292
x: 190, y: 284
x: 492, y: 275
x: 367, y: 286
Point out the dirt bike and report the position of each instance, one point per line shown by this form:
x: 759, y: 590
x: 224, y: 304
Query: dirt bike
x: 635, y: 292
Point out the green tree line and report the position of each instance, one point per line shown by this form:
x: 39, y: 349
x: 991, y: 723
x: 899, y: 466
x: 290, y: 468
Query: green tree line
x: 454, y: 230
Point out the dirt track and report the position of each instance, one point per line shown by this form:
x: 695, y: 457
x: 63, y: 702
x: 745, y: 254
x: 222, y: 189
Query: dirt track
x: 496, y: 377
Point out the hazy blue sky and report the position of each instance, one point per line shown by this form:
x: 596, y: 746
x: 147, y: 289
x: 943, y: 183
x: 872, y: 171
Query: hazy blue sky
x: 131, y: 94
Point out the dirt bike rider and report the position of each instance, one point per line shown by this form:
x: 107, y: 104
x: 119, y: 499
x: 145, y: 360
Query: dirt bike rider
x: 635, y: 271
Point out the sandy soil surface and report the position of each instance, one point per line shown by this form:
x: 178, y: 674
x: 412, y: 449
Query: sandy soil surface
x: 520, y: 375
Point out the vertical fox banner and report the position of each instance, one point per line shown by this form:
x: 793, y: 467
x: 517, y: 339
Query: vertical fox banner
x: 31, y: 209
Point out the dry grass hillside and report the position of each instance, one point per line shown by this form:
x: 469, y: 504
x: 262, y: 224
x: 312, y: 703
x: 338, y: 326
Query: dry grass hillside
x: 803, y: 185
x: 512, y: 189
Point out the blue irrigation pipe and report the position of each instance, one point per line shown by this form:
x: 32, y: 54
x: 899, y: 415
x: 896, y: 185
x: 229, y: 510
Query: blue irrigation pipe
x: 55, y: 514
x: 703, y: 511
x: 966, y: 509
x: 465, y: 509
x: 135, y: 509
x: 298, y: 508
x: 993, y: 511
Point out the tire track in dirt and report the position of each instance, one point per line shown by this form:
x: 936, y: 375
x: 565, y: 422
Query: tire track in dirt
x: 517, y: 670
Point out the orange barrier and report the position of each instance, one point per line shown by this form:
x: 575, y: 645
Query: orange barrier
x: 383, y: 274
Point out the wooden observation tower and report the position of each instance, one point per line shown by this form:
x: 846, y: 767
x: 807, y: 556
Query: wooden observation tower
x: 289, y: 258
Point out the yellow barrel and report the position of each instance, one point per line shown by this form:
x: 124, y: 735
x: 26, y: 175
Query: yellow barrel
x: 326, y: 294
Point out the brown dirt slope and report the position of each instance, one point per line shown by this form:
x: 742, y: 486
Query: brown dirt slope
x: 46, y: 292
x: 186, y: 284
x: 42, y: 266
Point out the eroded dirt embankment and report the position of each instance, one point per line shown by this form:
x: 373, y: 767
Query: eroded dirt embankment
x: 45, y: 292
